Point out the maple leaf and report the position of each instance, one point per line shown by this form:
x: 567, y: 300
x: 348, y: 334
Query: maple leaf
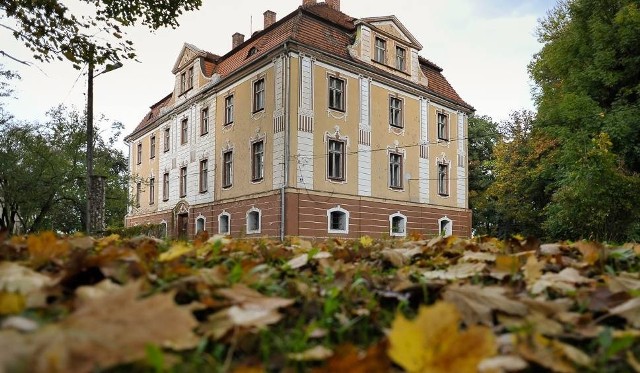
x: 46, y: 246
x: 432, y: 342
x: 109, y: 330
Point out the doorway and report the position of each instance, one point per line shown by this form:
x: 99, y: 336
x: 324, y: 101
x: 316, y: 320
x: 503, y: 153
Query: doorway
x: 183, y: 226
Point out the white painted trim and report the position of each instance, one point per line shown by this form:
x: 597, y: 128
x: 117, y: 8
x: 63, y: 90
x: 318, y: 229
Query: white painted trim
x: 252, y: 210
x: 228, y: 216
x: 204, y: 223
x: 336, y: 69
x: 338, y: 209
x: 448, y: 231
x: 403, y: 233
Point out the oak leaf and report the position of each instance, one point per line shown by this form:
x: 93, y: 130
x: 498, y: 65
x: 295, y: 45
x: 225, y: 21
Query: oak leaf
x: 432, y: 342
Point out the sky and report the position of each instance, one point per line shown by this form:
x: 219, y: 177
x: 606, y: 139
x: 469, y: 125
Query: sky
x: 483, y: 46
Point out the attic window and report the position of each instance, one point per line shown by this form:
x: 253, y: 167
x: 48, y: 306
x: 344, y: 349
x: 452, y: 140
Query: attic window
x: 252, y: 51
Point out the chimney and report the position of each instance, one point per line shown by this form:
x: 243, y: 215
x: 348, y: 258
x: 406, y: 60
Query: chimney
x: 335, y: 4
x: 236, y: 39
x: 308, y: 2
x: 269, y: 18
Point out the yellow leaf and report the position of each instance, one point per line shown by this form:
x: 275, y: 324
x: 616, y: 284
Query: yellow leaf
x: 46, y: 246
x: 11, y: 303
x: 176, y: 251
x: 366, y: 241
x: 432, y: 342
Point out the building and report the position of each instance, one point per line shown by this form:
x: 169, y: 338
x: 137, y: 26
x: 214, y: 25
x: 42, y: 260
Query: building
x: 319, y: 125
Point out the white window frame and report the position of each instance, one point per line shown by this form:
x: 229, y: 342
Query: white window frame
x: 252, y: 211
x: 228, y: 109
x: 226, y: 172
x: 346, y: 214
x: 204, y: 176
x: 444, y: 135
x: 184, y: 131
x: 343, y: 155
x: 259, y: 176
x: 404, y: 225
x: 392, y: 111
x: 401, y: 58
x: 167, y: 139
x: 152, y: 190
x: 139, y: 153
x: 400, y: 170
x: 204, y: 121
x: 259, y: 96
x: 183, y: 181
x: 380, y: 52
x: 448, y: 228
x: 225, y: 214
x: 152, y: 147
x: 339, y: 94
x: 166, y: 228
x: 447, y: 180
x: 204, y: 223
x: 165, y: 186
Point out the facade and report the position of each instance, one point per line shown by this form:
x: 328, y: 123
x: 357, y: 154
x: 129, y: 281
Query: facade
x: 319, y: 125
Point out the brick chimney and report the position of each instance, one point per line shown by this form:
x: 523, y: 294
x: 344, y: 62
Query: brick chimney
x: 308, y: 2
x: 236, y: 39
x: 335, y: 4
x: 269, y: 18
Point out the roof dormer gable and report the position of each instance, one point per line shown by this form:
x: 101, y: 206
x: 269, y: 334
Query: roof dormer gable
x: 187, y: 56
x: 391, y: 27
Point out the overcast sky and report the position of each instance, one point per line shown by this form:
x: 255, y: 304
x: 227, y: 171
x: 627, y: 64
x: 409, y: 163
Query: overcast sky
x: 483, y: 46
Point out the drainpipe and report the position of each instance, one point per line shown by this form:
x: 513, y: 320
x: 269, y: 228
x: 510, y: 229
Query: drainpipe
x: 287, y: 97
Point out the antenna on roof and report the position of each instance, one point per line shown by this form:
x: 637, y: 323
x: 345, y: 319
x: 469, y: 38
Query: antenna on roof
x: 251, y: 24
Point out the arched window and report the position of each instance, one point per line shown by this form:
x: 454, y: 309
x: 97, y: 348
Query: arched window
x: 445, y: 226
x: 163, y: 229
x: 337, y: 220
x: 200, y: 223
x: 254, y: 216
x: 397, y: 225
x: 224, y: 223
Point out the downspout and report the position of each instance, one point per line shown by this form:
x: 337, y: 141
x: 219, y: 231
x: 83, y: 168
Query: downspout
x: 287, y: 142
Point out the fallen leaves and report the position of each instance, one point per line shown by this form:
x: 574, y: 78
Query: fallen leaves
x: 218, y: 304
x: 433, y: 342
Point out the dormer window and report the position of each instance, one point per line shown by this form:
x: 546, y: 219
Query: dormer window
x: 252, y: 51
x: 186, y: 80
x: 190, y: 78
x: 401, y: 58
x: 381, y: 50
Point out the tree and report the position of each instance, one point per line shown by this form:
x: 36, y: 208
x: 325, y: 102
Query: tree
x: 483, y: 137
x: 42, y: 173
x: 588, y: 91
x: 52, y: 31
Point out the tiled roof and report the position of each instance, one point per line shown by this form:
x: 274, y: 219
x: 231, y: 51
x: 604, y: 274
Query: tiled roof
x: 153, y: 113
x: 316, y: 25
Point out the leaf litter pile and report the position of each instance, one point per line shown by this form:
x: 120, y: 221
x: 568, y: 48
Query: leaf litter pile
x: 79, y: 304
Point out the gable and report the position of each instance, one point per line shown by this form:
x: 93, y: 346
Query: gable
x: 186, y: 56
x: 391, y: 26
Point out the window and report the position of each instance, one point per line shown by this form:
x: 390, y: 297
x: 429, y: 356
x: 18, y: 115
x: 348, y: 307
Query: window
x: 380, y: 50
x: 401, y: 57
x: 152, y: 147
x: 200, y: 221
x: 443, y: 127
x: 204, y: 172
x: 338, y: 220
x: 138, y: 191
x: 253, y: 221
x: 184, y: 131
x: 335, y: 162
x: 152, y: 190
x: 165, y: 186
x: 257, y: 160
x: 252, y: 51
x: 258, y: 95
x: 395, y: 112
x: 224, y: 223
x: 395, y: 170
x: 139, y: 153
x: 167, y: 137
x: 183, y: 182
x: 228, y: 109
x: 443, y: 179
x: 204, y: 121
x: 398, y: 225
x: 183, y: 82
x: 445, y: 227
x: 190, y: 78
x: 227, y: 169
x: 336, y: 93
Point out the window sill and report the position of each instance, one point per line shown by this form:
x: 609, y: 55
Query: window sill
x: 257, y: 181
x: 204, y: 133
x: 338, y: 110
x: 257, y: 111
x: 337, y: 231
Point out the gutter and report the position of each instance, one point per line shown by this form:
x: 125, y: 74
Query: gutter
x: 287, y: 134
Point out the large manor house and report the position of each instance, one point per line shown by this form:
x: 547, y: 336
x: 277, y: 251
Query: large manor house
x: 319, y: 125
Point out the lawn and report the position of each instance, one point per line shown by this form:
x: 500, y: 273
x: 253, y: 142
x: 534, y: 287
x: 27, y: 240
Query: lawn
x: 421, y: 304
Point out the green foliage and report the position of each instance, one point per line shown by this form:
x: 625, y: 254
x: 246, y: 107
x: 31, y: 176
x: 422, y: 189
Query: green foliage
x: 53, y: 31
x: 483, y: 137
x: 152, y: 230
x: 43, y: 174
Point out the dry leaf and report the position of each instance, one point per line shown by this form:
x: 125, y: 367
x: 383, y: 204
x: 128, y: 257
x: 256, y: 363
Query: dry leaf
x: 552, y: 354
x: 633, y: 362
x: 532, y: 269
x: 590, y: 251
x: 630, y: 310
x: 476, y: 303
x: 17, y: 279
x: 177, y: 250
x: 314, y: 353
x: 348, y: 358
x: 110, y: 330
x: 478, y: 256
x: 11, y: 303
x: 45, y: 247
x: 622, y: 282
x: 502, y: 363
x: 563, y: 281
x: 243, y: 295
x: 458, y: 271
x: 432, y: 342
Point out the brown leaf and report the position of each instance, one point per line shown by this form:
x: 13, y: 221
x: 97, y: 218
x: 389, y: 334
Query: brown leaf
x: 348, y: 358
x: 590, y: 250
x: 110, y: 330
x: 243, y: 295
x: 458, y: 271
x: 630, y: 310
x: 476, y: 303
x: 311, y: 354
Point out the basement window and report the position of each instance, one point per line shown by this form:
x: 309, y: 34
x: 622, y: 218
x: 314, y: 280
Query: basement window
x: 338, y: 220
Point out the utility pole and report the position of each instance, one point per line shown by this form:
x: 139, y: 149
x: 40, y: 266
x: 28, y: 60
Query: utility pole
x: 89, y: 145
